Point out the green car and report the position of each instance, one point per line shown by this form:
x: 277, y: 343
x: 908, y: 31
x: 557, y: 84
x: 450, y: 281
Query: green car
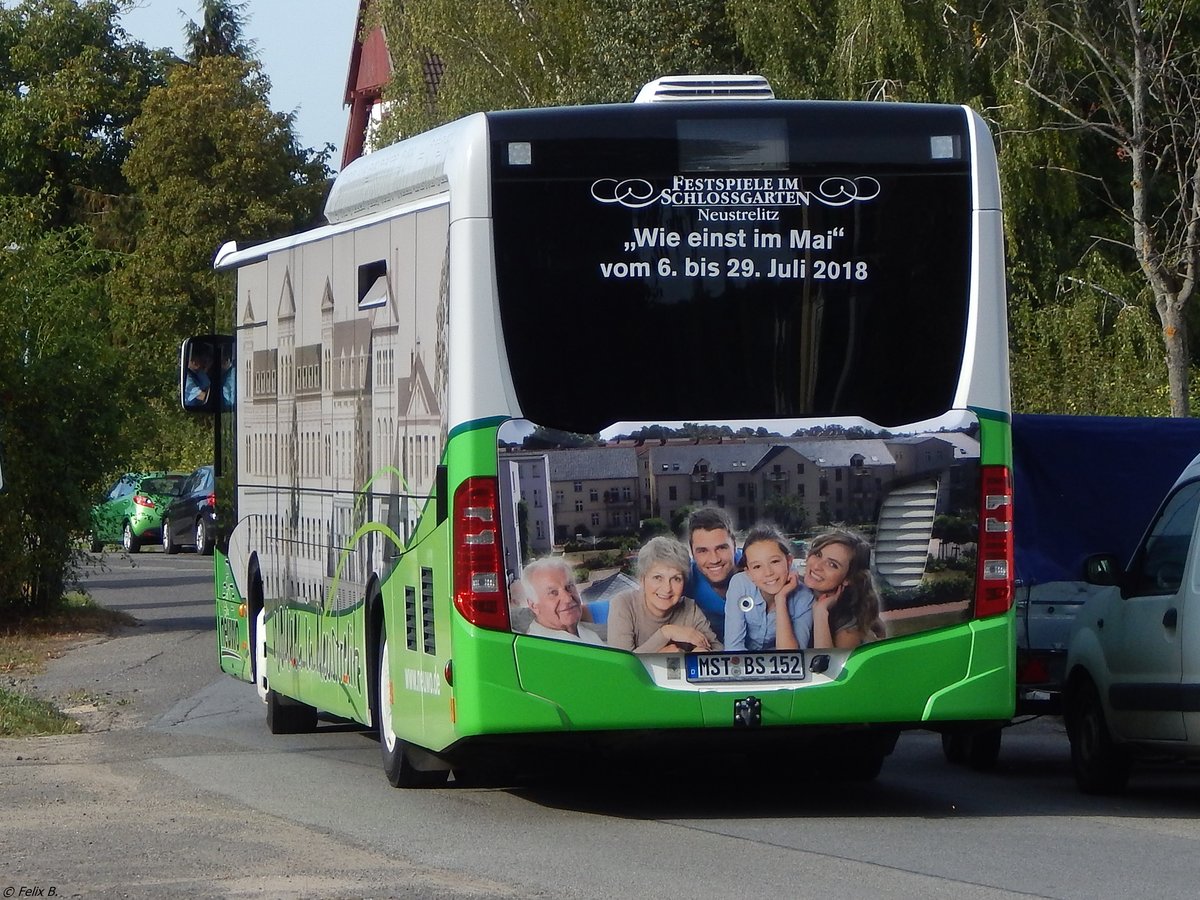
x: 131, y: 513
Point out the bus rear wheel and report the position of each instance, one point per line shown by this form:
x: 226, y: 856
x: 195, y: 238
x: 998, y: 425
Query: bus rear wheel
x: 288, y: 716
x: 398, y: 764
x: 978, y: 748
x: 859, y: 757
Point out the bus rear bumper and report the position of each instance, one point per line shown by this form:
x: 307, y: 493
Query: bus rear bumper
x: 962, y: 673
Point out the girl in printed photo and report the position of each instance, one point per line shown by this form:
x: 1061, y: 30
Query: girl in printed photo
x: 767, y: 607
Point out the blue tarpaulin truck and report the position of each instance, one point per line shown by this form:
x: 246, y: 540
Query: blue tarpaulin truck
x: 1081, y: 485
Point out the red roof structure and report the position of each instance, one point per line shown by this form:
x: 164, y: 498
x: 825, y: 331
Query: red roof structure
x: 370, y: 70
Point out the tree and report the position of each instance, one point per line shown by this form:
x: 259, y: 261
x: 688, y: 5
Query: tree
x: 211, y: 162
x: 789, y: 513
x: 456, y: 57
x: 62, y: 397
x: 219, y: 33
x: 1125, y: 74
x: 70, y: 83
x: 1088, y: 353
x: 971, y: 52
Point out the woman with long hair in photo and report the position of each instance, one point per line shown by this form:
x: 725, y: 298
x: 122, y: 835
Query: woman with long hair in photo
x: 846, y: 610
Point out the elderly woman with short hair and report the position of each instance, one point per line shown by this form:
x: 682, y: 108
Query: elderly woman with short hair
x: 655, y: 617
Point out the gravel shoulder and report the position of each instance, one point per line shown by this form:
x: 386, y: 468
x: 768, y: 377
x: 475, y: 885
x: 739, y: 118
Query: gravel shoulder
x: 99, y: 814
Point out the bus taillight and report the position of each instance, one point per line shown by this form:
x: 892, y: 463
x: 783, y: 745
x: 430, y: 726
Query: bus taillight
x: 994, y: 591
x: 479, y: 589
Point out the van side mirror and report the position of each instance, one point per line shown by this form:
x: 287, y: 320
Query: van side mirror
x: 207, y: 368
x: 1102, y: 569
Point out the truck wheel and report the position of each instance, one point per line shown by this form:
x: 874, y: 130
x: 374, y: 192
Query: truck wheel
x: 1100, y: 766
x: 397, y: 762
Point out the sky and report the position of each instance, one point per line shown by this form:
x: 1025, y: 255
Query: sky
x: 303, y: 45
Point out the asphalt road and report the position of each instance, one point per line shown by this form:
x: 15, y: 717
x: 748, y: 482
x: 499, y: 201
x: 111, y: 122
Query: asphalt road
x: 178, y: 790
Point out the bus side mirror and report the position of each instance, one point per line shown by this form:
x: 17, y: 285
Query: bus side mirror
x: 207, y: 368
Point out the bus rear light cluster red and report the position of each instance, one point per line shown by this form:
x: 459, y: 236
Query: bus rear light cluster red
x: 479, y: 590
x: 994, y: 590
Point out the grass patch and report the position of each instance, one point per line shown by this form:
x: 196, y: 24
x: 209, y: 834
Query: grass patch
x: 22, y: 716
x: 28, y: 641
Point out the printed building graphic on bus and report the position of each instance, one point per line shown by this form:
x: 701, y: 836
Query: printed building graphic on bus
x: 343, y: 417
x: 611, y: 490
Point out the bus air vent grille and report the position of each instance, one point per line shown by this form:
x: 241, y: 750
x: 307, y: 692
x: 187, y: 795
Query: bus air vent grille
x: 410, y: 616
x: 706, y: 87
x: 430, y: 646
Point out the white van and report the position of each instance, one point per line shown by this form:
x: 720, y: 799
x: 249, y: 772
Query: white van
x: 1133, y: 657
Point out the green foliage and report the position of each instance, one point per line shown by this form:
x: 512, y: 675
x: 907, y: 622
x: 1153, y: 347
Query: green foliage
x: 70, y: 83
x: 1090, y: 353
x: 788, y: 512
x: 219, y: 33
x: 630, y: 42
x: 62, y: 399
x: 210, y: 161
x: 652, y: 528
x: 22, y: 716
x: 165, y: 166
x: 1121, y: 79
x: 949, y: 587
x: 528, y: 53
x: 955, y: 529
x: 679, y: 519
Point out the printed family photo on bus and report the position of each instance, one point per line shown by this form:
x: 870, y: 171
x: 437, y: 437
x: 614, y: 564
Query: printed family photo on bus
x: 659, y: 541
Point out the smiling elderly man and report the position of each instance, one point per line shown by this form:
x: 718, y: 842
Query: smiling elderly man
x: 553, y: 597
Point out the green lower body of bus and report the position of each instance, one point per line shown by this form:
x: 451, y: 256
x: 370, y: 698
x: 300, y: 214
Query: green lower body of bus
x: 452, y: 683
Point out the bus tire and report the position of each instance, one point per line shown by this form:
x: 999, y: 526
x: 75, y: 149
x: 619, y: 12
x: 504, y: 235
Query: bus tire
x: 983, y: 748
x: 1099, y: 765
x: 860, y: 757
x: 955, y: 747
x: 397, y: 760
x: 288, y: 716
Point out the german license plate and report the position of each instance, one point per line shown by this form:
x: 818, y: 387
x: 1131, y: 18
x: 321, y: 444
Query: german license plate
x: 709, y: 668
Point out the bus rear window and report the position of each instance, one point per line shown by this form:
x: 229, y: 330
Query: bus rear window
x: 732, y: 270
x: 721, y: 145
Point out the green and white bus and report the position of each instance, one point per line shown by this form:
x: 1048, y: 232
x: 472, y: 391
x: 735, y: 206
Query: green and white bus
x: 544, y: 333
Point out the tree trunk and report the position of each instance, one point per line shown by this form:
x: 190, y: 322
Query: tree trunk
x: 1175, y: 341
